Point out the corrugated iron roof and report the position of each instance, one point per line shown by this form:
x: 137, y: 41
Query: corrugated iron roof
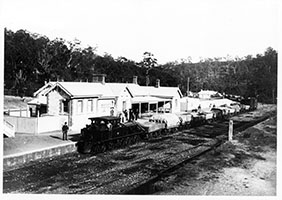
x: 79, y: 89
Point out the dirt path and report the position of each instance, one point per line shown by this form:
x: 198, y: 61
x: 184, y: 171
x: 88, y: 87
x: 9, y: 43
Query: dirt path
x: 244, y: 167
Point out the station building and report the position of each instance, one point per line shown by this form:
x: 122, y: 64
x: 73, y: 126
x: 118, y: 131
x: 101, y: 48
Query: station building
x: 75, y: 102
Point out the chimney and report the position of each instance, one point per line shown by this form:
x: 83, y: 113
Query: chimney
x: 158, y: 83
x: 99, y: 78
x: 135, y: 79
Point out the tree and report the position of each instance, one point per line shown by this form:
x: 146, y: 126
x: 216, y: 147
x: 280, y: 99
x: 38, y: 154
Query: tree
x: 148, y: 62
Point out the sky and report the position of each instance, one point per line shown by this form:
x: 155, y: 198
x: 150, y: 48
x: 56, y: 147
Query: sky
x: 170, y: 29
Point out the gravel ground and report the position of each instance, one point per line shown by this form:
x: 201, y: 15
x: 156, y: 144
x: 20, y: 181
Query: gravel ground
x: 236, y: 168
x: 245, y: 166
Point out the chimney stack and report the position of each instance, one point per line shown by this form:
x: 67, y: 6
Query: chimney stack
x: 135, y: 79
x: 99, y: 78
x: 158, y: 83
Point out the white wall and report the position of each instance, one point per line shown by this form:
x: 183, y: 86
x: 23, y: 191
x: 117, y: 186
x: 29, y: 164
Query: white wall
x: 124, y: 96
x: 51, y: 123
x: 23, y: 124
x: 80, y: 119
x: 175, y: 104
x: 101, y: 107
x: 104, y: 106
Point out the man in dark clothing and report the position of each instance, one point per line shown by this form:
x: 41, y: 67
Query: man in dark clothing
x: 65, y: 129
x: 125, y: 114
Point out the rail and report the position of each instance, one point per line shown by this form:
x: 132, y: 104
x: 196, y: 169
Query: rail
x: 146, y: 185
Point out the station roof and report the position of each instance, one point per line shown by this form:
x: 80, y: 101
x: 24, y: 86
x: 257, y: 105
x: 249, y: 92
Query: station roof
x: 84, y: 89
x: 168, y: 92
x: 90, y: 89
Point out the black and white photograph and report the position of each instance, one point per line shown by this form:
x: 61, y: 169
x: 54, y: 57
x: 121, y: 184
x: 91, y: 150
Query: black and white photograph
x: 140, y: 98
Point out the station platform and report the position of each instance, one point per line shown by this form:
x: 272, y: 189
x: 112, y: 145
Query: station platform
x: 24, y: 148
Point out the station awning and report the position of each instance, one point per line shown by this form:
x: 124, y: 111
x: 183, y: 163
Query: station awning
x: 148, y: 100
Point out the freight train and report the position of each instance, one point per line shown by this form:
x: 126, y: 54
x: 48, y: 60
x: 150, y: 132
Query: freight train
x: 107, y: 132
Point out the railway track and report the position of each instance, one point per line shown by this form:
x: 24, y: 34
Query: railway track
x: 122, y: 171
x: 140, y: 177
x: 146, y: 187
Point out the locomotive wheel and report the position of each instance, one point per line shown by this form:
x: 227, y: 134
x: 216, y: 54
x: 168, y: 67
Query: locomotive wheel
x: 156, y: 134
x: 123, y: 142
x: 94, y: 148
x: 119, y: 143
x: 130, y: 140
x: 98, y: 149
x: 135, y: 139
x: 110, y: 145
x: 103, y: 148
x: 138, y: 138
x: 127, y: 141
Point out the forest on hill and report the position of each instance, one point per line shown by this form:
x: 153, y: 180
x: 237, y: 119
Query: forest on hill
x: 30, y: 59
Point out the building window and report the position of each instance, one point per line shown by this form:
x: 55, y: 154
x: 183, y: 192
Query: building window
x: 79, y: 106
x: 66, y: 106
x: 90, y: 106
x: 176, y: 103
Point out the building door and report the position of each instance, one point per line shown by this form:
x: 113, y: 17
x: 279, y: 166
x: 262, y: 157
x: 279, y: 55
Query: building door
x: 123, y: 105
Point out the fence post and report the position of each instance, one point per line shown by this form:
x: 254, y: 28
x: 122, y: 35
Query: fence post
x: 230, y: 132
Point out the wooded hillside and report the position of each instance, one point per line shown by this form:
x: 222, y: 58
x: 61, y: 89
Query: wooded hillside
x: 30, y: 59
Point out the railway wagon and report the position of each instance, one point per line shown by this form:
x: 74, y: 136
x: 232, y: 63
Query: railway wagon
x: 218, y: 113
x: 209, y: 116
x: 185, y: 119
x: 198, y: 118
x: 153, y: 128
x: 171, y: 121
x: 108, y: 133
x: 252, y: 102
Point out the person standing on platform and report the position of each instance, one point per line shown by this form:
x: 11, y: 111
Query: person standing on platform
x: 65, y: 129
